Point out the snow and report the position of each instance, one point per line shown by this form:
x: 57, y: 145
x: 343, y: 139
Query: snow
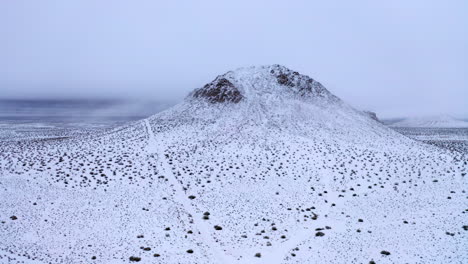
x: 441, y: 121
x: 284, y: 162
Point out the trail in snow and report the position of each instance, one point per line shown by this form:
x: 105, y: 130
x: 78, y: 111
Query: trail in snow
x: 280, y: 252
x: 156, y: 147
x: 276, y: 255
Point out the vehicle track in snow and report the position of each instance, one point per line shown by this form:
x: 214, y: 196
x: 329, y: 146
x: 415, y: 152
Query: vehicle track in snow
x: 156, y: 147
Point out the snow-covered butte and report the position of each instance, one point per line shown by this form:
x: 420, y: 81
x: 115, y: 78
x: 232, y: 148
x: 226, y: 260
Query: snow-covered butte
x: 261, y: 165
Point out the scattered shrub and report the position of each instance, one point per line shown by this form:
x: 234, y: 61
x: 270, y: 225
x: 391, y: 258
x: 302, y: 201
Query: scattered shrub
x: 384, y: 252
x: 135, y: 259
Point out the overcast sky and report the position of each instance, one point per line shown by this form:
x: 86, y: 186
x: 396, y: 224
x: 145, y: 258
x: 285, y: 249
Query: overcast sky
x: 399, y: 57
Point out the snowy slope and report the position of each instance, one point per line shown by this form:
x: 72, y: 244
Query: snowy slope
x: 261, y: 165
x: 442, y: 121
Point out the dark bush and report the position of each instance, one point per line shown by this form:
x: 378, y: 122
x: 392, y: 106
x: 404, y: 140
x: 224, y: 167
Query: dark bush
x: 384, y: 252
x: 319, y: 234
x: 135, y: 259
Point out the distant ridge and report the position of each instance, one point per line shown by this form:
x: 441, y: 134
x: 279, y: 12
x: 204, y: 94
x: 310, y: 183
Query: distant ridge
x: 441, y: 121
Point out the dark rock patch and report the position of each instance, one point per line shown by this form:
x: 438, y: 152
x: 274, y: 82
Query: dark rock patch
x: 283, y: 79
x: 219, y: 91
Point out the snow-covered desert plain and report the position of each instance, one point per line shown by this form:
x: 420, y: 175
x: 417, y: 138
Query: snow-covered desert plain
x: 261, y: 165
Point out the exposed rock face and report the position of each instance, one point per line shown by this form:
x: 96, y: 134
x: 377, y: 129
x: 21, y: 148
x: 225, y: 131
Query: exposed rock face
x: 302, y: 84
x: 284, y: 80
x: 219, y: 90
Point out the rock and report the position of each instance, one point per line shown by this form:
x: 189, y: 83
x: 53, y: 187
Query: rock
x: 219, y: 91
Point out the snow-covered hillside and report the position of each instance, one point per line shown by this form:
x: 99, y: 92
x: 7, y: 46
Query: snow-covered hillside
x: 442, y: 121
x: 261, y: 165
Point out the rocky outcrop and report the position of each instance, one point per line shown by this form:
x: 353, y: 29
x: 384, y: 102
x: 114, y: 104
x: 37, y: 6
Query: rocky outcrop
x: 302, y: 84
x: 219, y: 90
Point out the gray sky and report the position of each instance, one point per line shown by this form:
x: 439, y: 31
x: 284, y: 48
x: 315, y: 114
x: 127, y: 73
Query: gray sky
x: 400, y: 57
